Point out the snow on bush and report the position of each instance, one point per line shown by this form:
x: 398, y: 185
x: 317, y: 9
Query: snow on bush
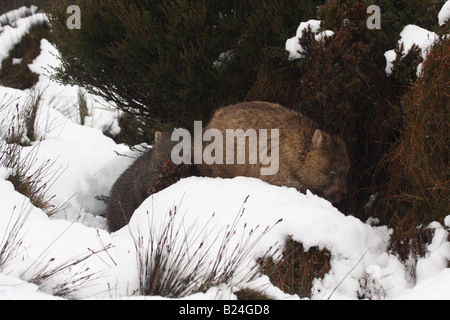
x: 411, y: 35
x: 444, y: 14
x: 296, y: 51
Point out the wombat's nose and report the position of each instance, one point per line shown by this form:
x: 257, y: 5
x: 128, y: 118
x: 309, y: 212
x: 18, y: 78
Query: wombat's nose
x: 338, y: 197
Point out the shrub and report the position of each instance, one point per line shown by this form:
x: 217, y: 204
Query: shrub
x: 171, y: 61
x: 416, y: 190
x: 341, y: 84
x: 136, y: 129
x: 397, y: 14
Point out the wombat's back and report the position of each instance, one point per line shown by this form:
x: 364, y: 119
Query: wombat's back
x: 309, y: 158
x: 150, y: 173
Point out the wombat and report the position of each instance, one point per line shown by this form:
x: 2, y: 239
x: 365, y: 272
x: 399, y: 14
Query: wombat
x: 309, y: 158
x: 150, y: 173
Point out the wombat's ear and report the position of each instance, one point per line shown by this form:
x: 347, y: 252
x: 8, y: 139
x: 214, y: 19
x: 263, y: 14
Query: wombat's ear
x: 317, y: 139
x: 158, y: 136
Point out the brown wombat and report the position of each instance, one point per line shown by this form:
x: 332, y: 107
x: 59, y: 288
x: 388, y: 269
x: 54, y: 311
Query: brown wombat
x: 150, y: 173
x: 309, y: 158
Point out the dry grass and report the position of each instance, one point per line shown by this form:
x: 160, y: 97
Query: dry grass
x: 177, y: 260
x: 27, y: 173
x: 61, y: 279
x: 295, y: 272
x: 71, y: 275
x: 416, y: 191
x: 28, y: 178
x: 11, y: 241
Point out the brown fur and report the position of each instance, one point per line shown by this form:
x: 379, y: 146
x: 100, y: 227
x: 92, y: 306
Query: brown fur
x: 309, y: 158
x: 150, y: 173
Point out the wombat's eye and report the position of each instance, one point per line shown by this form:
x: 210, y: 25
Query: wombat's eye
x: 332, y: 175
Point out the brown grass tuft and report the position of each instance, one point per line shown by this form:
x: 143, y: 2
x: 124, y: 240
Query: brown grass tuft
x: 294, y: 274
x: 416, y: 191
x: 19, y: 76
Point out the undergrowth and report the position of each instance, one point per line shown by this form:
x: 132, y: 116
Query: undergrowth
x: 176, y: 260
x: 62, y: 279
x: 11, y: 240
x: 295, y: 272
x: 14, y: 71
x: 29, y: 175
x: 416, y: 191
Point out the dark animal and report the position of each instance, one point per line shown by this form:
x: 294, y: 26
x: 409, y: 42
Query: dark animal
x: 150, y: 173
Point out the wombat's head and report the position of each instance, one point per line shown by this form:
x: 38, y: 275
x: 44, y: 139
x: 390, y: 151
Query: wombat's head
x: 325, y: 167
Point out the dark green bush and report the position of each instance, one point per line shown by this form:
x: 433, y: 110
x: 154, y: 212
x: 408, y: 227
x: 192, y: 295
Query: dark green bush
x: 172, y: 61
x: 399, y: 13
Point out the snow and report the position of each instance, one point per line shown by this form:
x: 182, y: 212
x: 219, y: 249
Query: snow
x: 296, y: 51
x: 87, y: 162
x: 437, y: 256
x: 12, y: 16
x: 444, y: 14
x: 411, y: 35
x: 435, y: 288
x: 64, y: 98
x: 11, y: 35
x: 447, y: 221
x: 12, y: 288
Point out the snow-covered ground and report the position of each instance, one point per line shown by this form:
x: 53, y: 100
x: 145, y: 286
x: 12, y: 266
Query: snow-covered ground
x: 87, y: 163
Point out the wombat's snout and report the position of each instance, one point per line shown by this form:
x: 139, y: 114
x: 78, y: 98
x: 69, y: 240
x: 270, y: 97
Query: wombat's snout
x: 336, y: 196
